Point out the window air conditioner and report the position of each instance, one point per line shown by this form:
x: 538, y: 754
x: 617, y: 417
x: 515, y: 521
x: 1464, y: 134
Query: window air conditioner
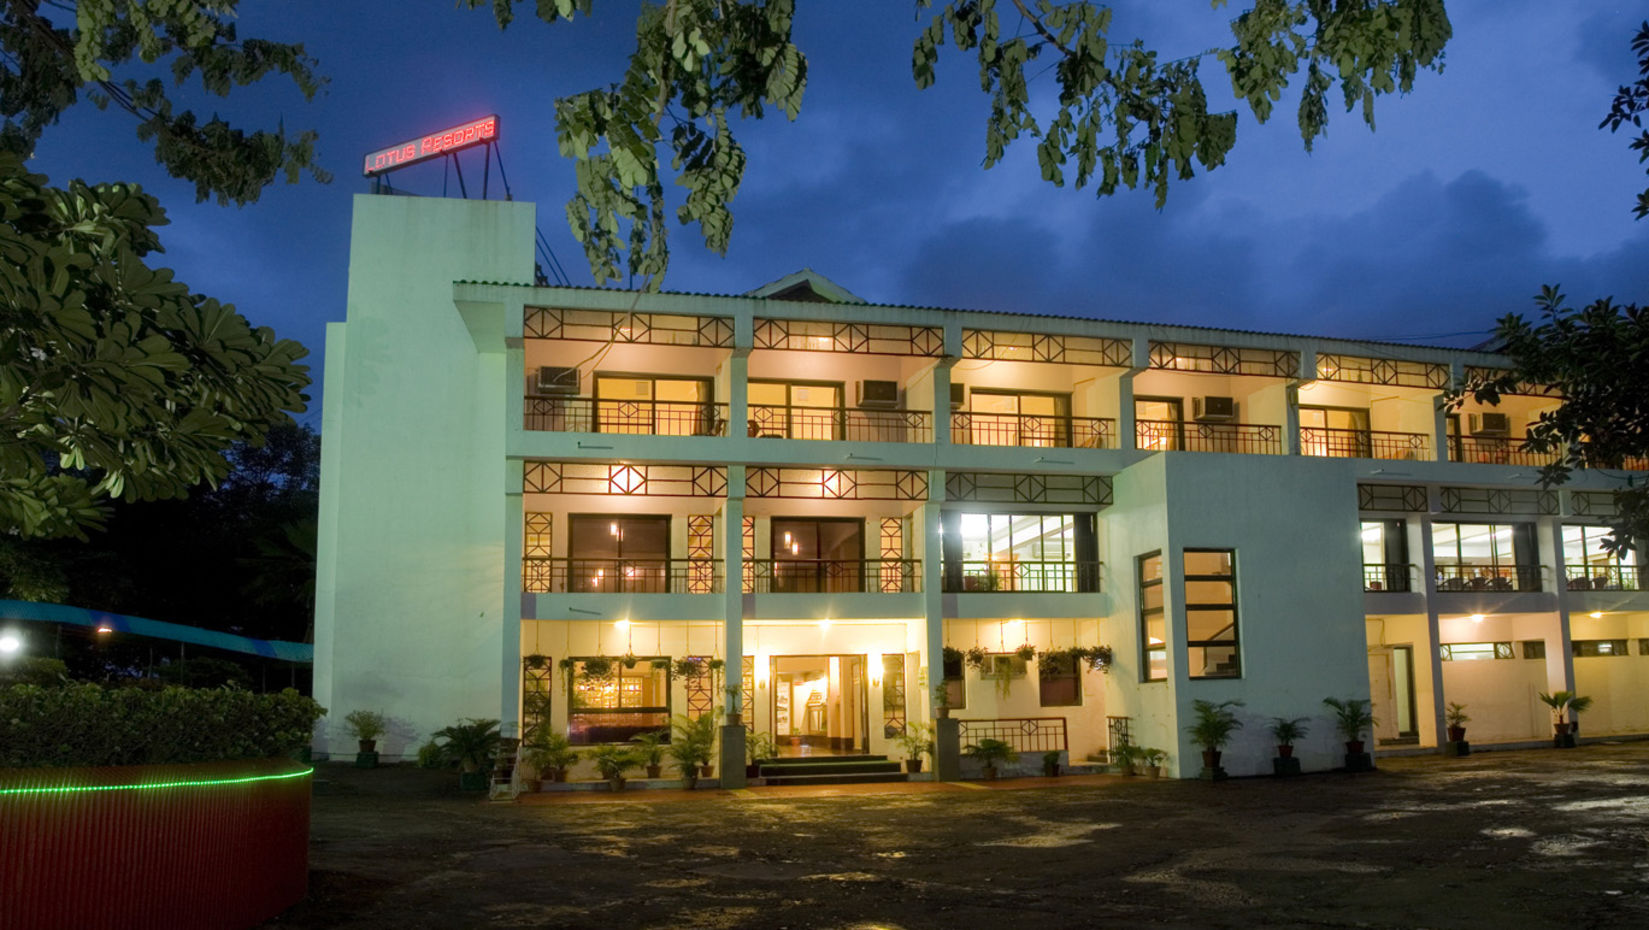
x: 556, y: 380
x: 1490, y: 424
x: 958, y: 395
x: 882, y: 395
x: 1213, y: 409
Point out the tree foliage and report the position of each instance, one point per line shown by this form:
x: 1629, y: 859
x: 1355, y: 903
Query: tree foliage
x: 1124, y: 116
x: 119, y: 383
x: 52, y: 53
x: 1631, y: 102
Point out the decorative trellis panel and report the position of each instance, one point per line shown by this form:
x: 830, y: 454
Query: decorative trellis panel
x: 747, y: 545
x: 1359, y: 370
x: 1498, y: 500
x: 536, y: 687
x: 747, y: 683
x: 994, y: 487
x: 853, y: 338
x: 1592, y: 503
x: 642, y: 328
x: 1399, y: 498
x: 1044, y: 347
x: 893, y: 694
x: 1225, y: 360
x: 1477, y: 373
x: 701, y: 553
x: 846, y: 484
x: 701, y: 690
x: 893, y: 549
x: 625, y: 480
x: 536, y: 549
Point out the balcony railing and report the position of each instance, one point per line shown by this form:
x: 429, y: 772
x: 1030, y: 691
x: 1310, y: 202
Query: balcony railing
x: 970, y: 428
x: 1363, y: 444
x: 1603, y: 577
x: 1031, y: 735
x: 851, y: 424
x: 820, y: 576
x: 621, y: 576
x: 1378, y: 576
x: 1488, y: 450
x: 1488, y: 578
x: 637, y: 417
x: 1178, y: 435
x: 1021, y: 577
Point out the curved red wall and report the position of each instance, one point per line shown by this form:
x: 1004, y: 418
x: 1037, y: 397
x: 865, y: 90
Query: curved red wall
x: 209, y: 852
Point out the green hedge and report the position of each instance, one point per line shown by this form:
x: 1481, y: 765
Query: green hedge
x: 93, y: 725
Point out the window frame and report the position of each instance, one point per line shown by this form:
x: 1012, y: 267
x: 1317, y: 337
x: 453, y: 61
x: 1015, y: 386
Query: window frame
x: 1146, y: 614
x: 1588, y: 648
x: 1235, y: 642
x: 576, y: 673
x: 1071, y: 673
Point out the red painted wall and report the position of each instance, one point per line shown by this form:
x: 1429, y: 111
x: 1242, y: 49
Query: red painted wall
x: 213, y: 857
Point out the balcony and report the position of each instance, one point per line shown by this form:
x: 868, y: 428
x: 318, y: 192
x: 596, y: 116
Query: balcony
x: 1495, y: 450
x: 969, y: 428
x: 1456, y: 578
x: 1178, y: 435
x: 850, y: 424
x: 834, y: 576
x: 1363, y: 444
x: 1378, y: 576
x: 1603, y: 577
x: 1017, y: 577
x: 554, y: 413
x: 621, y: 576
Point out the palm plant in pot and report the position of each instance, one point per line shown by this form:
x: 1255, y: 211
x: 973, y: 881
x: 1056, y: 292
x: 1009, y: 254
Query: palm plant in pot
x: 1212, y: 729
x: 1456, y: 717
x: 692, y: 742
x: 471, y: 744
x: 757, y: 748
x: 917, y: 741
x: 1285, y: 730
x: 366, y: 726
x: 1154, y: 760
x: 549, y: 755
x: 1562, y: 704
x: 650, y: 752
x: 991, y: 754
x: 612, y: 761
x: 1351, y: 717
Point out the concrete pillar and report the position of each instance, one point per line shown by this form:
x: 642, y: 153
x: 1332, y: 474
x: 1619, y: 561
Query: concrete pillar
x: 738, y: 393
x: 1428, y: 578
x: 933, y: 593
x: 1291, y: 401
x: 947, y: 749
x: 1565, y: 663
x: 732, y: 628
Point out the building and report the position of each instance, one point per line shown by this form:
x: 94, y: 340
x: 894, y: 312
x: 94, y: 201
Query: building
x: 825, y: 495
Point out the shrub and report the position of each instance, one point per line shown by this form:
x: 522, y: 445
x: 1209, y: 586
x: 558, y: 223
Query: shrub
x: 91, y: 725
x: 366, y: 724
x: 34, y: 670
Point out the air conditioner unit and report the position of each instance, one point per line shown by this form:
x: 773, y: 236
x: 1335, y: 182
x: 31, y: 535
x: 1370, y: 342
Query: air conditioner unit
x: 1490, y: 424
x: 958, y: 395
x: 883, y: 395
x: 556, y: 380
x: 1213, y: 409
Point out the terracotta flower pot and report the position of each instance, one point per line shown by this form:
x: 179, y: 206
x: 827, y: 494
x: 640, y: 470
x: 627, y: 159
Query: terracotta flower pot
x: 709, y: 771
x: 369, y: 745
x: 1354, y: 747
x: 1211, y: 759
x: 655, y: 771
x: 616, y: 783
x: 913, y: 765
x: 1285, y: 751
x: 1457, y: 734
x: 990, y: 773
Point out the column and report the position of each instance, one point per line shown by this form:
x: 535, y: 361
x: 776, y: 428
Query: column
x: 732, y: 644
x: 1428, y: 578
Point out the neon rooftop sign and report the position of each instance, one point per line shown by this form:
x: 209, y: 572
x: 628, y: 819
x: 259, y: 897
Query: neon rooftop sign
x: 443, y: 142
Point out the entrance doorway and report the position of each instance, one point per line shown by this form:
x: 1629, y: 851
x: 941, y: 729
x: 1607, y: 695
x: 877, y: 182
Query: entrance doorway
x: 1391, y: 684
x: 820, y: 705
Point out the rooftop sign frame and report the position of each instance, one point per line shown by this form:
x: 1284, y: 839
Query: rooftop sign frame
x: 483, y: 131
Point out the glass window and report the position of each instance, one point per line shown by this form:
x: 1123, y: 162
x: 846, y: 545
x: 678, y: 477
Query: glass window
x: 610, y: 553
x: 1469, y: 652
x: 1060, y: 680
x: 1019, y: 552
x: 612, y: 704
x: 1586, y: 564
x: 654, y: 406
x: 956, y: 682
x: 1153, y: 627
x: 817, y: 555
x: 1477, y: 556
x: 1159, y: 423
x: 1597, y: 648
x: 1211, y: 613
x: 794, y: 410
x: 1534, y: 649
x: 1005, y: 418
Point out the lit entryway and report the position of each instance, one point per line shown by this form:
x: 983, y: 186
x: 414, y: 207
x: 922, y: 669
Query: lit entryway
x: 819, y: 705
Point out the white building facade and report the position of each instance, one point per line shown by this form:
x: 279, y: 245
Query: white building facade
x: 536, y: 501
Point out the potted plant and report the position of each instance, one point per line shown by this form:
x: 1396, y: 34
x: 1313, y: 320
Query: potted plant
x: 550, y: 755
x: 1212, y: 730
x: 535, y: 662
x: 941, y: 700
x: 470, y: 743
x: 757, y: 747
x: 1098, y: 657
x: 1153, y: 759
x: 1050, y: 763
x: 1457, y: 720
x: 1026, y: 652
x: 695, y: 739
x: 612, y: 761
x: 1561, y: 703
x: 662, y: 665
x: 366, y: 726
x: 629, y: 659
x: 688, y: 667
x: 1351, y: 717
x: 991, y: 754
x: 1285, y: 730
x: 1123, y: 757
x: 598, y: 667
x: 917, y: 741
x: 975, y: 657
x: 650, y: 752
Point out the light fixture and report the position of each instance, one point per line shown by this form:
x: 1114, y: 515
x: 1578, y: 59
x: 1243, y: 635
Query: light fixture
x: 824, y: 624
x: 874, y: 660
x: 1477, y: 618
x: 104, y: 627
x: 613, y: 528
x: 622, y: 624
x: 1596, y: 615
x: 10, y: 643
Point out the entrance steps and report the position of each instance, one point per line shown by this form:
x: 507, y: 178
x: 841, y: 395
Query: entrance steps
x: 830, y: 770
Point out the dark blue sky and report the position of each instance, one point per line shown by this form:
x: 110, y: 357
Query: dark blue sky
x: 1487, y: 181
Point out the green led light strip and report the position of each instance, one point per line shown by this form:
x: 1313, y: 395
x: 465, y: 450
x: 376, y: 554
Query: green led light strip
x: 192, y: 783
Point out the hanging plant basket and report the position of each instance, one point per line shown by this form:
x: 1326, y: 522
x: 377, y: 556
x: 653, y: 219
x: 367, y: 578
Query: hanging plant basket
x: 1026, y: 652
x: 689, y: 667
x: 716, y: 665
x: 536, y: 661
x: 629, y: 659
x: 975, y: 657
x: 598, y: 667
x: 951, y: 655
x: 661, y: 664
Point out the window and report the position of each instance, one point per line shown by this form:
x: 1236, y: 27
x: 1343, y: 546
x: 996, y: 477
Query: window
x: 1587, y: 565
x: 817, y: 555
x: 646, y: 405
x: 1002, y: 418
x: 795, y: 410
x: 1060, y: 680
x: 1385, y: 555
x: 608, y: 703
x: 1211, y: 613
x: 1003, y: 665
x: 618, y: 554
x: 1025, y: 552
x: 1484, y: 556
x: 1340, y: 432
x: 955, y: 682
x: 1153, y: 626
x: 1534, y: 649
x: 1643, y: 647
x: 1598, y: 648
x: 1159, y: 423
x: 1470, y: 652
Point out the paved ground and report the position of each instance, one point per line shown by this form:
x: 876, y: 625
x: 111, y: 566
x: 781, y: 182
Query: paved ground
x: 1538, y: 838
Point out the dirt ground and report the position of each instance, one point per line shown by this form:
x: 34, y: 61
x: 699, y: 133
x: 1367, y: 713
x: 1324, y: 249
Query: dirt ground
x: 1506, y: 840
